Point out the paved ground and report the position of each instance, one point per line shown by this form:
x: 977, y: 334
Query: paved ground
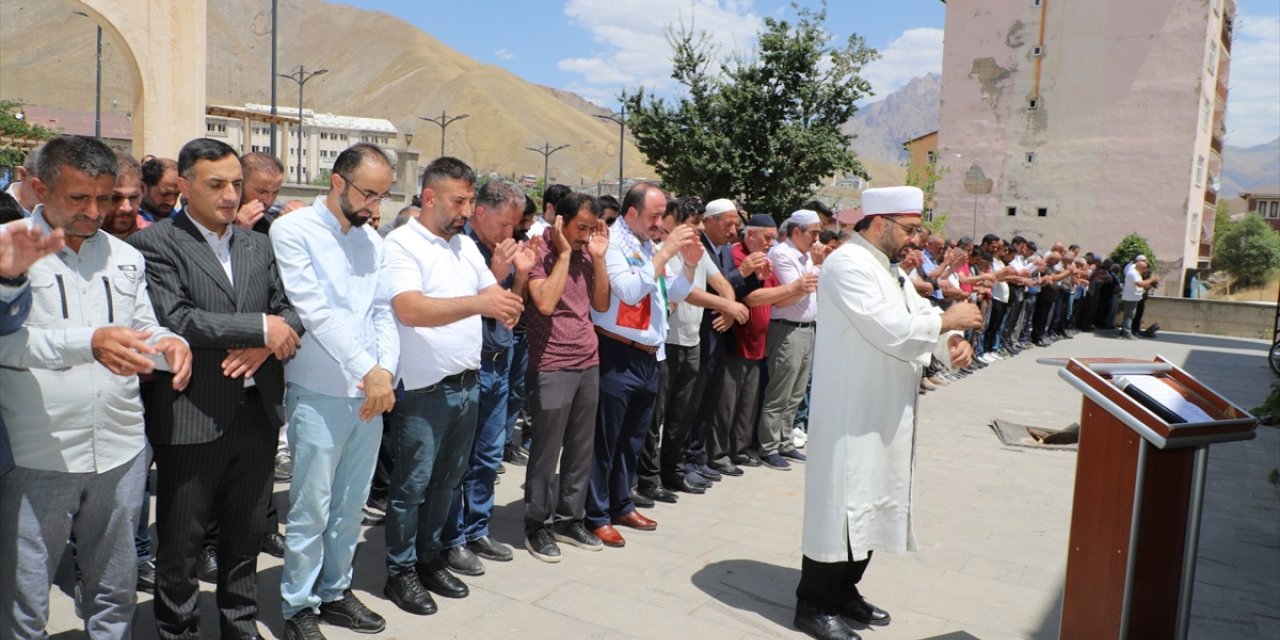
x: 993, y: 524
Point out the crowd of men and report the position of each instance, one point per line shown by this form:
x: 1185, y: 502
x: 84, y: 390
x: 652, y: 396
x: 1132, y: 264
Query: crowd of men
x: 174, y: 313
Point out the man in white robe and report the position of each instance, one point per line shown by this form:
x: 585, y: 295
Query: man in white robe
x: 875, y: 335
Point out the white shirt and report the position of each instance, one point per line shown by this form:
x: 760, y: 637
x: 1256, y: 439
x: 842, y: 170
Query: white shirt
x: 221, y: 247
x: 540, y: 225
x: 632, y: 280
x: 789, y: 264
x: 418, y: 260
x: 1132, y: 292
x: 999, y: 290
x: 686, y: 321
x: 12, y: 190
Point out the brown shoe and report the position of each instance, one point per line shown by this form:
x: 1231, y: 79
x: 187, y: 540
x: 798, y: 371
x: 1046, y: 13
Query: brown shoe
x: 635, y: 521
x: 609, y: 536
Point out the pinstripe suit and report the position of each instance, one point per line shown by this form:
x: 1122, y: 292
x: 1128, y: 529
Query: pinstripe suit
x: 214, y: 442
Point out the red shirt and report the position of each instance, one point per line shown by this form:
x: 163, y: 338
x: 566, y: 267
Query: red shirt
x: 749, y: 339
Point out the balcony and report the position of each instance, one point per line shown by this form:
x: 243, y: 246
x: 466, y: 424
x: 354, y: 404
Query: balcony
x: 1210, y: 198
x: 1227, y: 28
x: 1216, y: 144
x: 1222, y: 91
x: 1206, y: 251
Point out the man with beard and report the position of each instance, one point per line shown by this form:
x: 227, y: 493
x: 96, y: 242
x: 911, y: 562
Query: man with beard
x: 263, y: 177
x: 338, y: 387
x: 217, y: 286
x: 875, y: 334
x: 21, y: 189
x: 159, y: 189
x: 440, y: 286
x: 123, y: 219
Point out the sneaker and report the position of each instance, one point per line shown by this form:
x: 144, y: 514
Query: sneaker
x: 407, y: 593
x: 371, y: 518
x: 792, y: 454
x: 775, y: 461
x: 284, y: 466
x: 147, y: 577
x: 462, y: 560
x: 304, y: 625
x: 576, y: 534
x: 542, y: 545
x: 799, y: 437
x: 77, y: 598
x: 349, y: 613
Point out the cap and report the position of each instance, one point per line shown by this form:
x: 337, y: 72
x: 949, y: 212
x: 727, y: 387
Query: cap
x: 893, y: 201
x: 763, y: 221
x: 719, y: 206
x: 803, y: 218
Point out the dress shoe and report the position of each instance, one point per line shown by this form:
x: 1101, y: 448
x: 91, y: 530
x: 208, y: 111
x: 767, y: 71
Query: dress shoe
x: 542, y: 545
x: 207, y: 565
x: 609, y: 536
x: 635, y: 521
x: 405, y: 590
x: 706, y: 472
x: 513, y: 455
x: 775, y: 461
x: 349, y: 613
x: 792, y: 454
x: 283, y: 470
x: 641, y: 500
x: 822, y: 626
x: 147, y: 576
x: 461, y: 560
x: 727, y: 468
x: 745, y: 459
x: 490, y: 549
x: 658, y: 493
x: 436, y: 578
x: 683, y: 484
x: 304, y: 625
x: 862, y: 611
x: 273, y: 544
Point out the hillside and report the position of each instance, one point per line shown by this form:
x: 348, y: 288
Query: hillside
x: 1247, y: 169
x: 883, y: 126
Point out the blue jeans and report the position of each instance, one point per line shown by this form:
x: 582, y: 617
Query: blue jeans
x: 473, y: 501
x: 517, y: 373
x: 334, y: 452
x: 432, y: 430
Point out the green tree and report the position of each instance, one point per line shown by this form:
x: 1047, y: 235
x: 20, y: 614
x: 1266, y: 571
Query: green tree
x: 1248, y: 251
x: 14, y: 127
x: 767, y: 126
x: 1129, y: 248
x: 926, y: 178
x: 1221, y: 221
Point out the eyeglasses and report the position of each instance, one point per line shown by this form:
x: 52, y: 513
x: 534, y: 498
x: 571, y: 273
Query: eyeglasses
x: 911, y: 230
x: 370, y: 197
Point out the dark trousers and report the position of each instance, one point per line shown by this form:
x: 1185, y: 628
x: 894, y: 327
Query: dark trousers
x: 628, y: 388
x: 706, y: 396
x: 1042, y: 312
x: 831, y: 586
x: 518, y: 376
x: 734, y: 421
x: 994, y: 321
x: 662, y: 458
x: 227, y: 480
x: 564, y: 412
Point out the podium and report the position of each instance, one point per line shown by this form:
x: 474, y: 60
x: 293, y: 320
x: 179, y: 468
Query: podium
x: 1139, y: 492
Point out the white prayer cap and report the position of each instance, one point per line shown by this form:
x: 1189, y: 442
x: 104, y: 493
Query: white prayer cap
x: 893, y: 201
x: 1140, y: 258
x: 719, y: 206
x: 803, y: 218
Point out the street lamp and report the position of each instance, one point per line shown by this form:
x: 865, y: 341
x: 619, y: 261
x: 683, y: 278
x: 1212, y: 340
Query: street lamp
x: 444, y: 121
x: 97, y: 97
x: 301, y: 76
x: 546, y: 150
x: 620, y: 119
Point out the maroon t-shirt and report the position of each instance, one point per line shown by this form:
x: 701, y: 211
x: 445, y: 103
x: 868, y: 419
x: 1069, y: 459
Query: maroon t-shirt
x: 749, y: 339
x: 566, y: 339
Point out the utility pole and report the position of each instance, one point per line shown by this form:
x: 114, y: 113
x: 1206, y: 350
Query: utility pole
x: 301, y: 76
x: 546, y: 150
x: 620, y: 119
x: 444, y: 121
x: 275, y: 14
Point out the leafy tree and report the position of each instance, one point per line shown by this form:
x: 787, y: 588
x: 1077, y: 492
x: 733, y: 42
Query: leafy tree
x: 1221, y: 221
x: 765, y: 127
x: 926, y: 178
x: 1248, y: 251
x: 14, y: 127
x: 1129, y: 248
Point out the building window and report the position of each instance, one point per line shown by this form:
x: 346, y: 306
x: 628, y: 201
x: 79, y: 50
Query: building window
x: 931, y: 157
x: 1011, y: 211
x: 1033, y: 104
x: 1037, y: 51
x: 1199, y: 171
x: 1031, y: 157
x: 1042, y: 212
x: 1275, y: 209
x: 1035, y: 3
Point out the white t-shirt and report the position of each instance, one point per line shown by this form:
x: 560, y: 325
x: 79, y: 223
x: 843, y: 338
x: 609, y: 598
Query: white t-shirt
x: 1000, y: 290
x: 416, y: 259
x: 685, y: 322
x: 1132, y: 292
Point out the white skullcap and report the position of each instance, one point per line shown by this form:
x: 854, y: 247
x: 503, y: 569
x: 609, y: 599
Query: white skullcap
x: 893, y: 201
x: 803, y: 218
x: 722, y: 205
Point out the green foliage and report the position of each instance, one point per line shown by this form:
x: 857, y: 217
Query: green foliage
x: 1129, y: 248
x: 1269, y: 412
x: 321, y: 180
x: 1221, y: 221
x: 12, y: 126
x: 766, y: 126
x: 926, y: 178
x: 938, y: 223
x: 1248, y: 251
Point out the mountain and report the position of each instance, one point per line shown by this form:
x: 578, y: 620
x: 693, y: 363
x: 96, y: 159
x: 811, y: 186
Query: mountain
x: 379, y: 66
x: 1246, y: 169
x: 883, y: 126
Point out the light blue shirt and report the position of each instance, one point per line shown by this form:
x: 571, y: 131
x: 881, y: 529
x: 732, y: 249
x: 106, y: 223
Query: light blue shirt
x: 332, y: 280
x: 629, y: 263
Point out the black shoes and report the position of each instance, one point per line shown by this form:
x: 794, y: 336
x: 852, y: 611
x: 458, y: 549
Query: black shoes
x: 349, y: 613
x: 460, y: 559
x: 515, y: 455
x: 823, y: 626
x: 727, y: 468
x: 658, y: 493
x: 793, y: 454
x: 775, y: 461
x: 866, y: 613
x: 641, y: 500
x: 490, y: 549
x: 542, y: 545
x: 207, y: 565
x: 304, y: 625
x: 407, y: 593
x: 576, y: 534
x: 273, y: 544
x: 706, y: 472
x: 147, y: 577
x: 436, y: 578
x: 684, y: 484
x: 745, y: 459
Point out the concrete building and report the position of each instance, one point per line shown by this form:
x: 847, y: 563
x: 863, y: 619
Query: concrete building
x: 1266, y: 205
x: 1087, y: 120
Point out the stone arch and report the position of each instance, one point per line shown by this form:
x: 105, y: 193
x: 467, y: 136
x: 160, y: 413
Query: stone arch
x: 166, y: 50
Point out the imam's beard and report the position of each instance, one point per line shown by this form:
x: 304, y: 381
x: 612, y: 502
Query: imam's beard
x: 352, y: 214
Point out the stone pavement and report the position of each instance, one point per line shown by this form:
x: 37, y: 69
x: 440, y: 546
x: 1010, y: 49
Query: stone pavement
x: 992, y: 525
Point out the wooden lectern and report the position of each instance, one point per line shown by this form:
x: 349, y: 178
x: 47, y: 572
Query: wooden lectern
x: 1135, y: 520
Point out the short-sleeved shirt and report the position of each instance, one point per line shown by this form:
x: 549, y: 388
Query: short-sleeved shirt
x: 749, y: 339
x: 686, y: 320
x: 566, y: 339
x: 416, y: 259
x: 1132, y: 292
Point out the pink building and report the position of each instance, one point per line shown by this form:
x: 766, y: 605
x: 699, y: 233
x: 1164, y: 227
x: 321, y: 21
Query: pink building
x: 1086, y: 120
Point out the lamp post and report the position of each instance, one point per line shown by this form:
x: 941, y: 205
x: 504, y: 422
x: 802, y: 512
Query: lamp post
x: 620, y: 119
x: 444, y: 121
x: 97, y: 95
x: 275, y: 12
x: 546, y: 150
x: 301, y: 76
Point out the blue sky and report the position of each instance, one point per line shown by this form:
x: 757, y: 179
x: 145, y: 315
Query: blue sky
x: 596, y: 47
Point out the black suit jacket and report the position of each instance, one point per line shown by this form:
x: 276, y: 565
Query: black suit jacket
x: 193, y: 298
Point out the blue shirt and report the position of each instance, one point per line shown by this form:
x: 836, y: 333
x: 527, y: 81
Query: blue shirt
x: 332, y: 280
x: 497, y: 337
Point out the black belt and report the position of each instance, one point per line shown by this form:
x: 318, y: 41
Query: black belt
x: 492, y: 356
x: 457, y: 378
x: 798, y: 325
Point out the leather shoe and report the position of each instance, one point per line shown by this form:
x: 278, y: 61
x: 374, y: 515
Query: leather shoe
x: 706, y: 472
x: 746, y: 460
x: 304, y: 625
x: 658, y: 493
x: 207, y: 565
x: 862, y: 611
x: 489, y: 549
x: 727, y: 468
x: 461, y: 560
x: 437, y: 579
x: 683, y: 484
x: 635, y: 521
x: 822, y: 626
x: 349, y: 613
x: 147, y: 577
x: 641, y: 500
x: 609, y: 536
x: 405, y: 590
x: 273, y: 544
